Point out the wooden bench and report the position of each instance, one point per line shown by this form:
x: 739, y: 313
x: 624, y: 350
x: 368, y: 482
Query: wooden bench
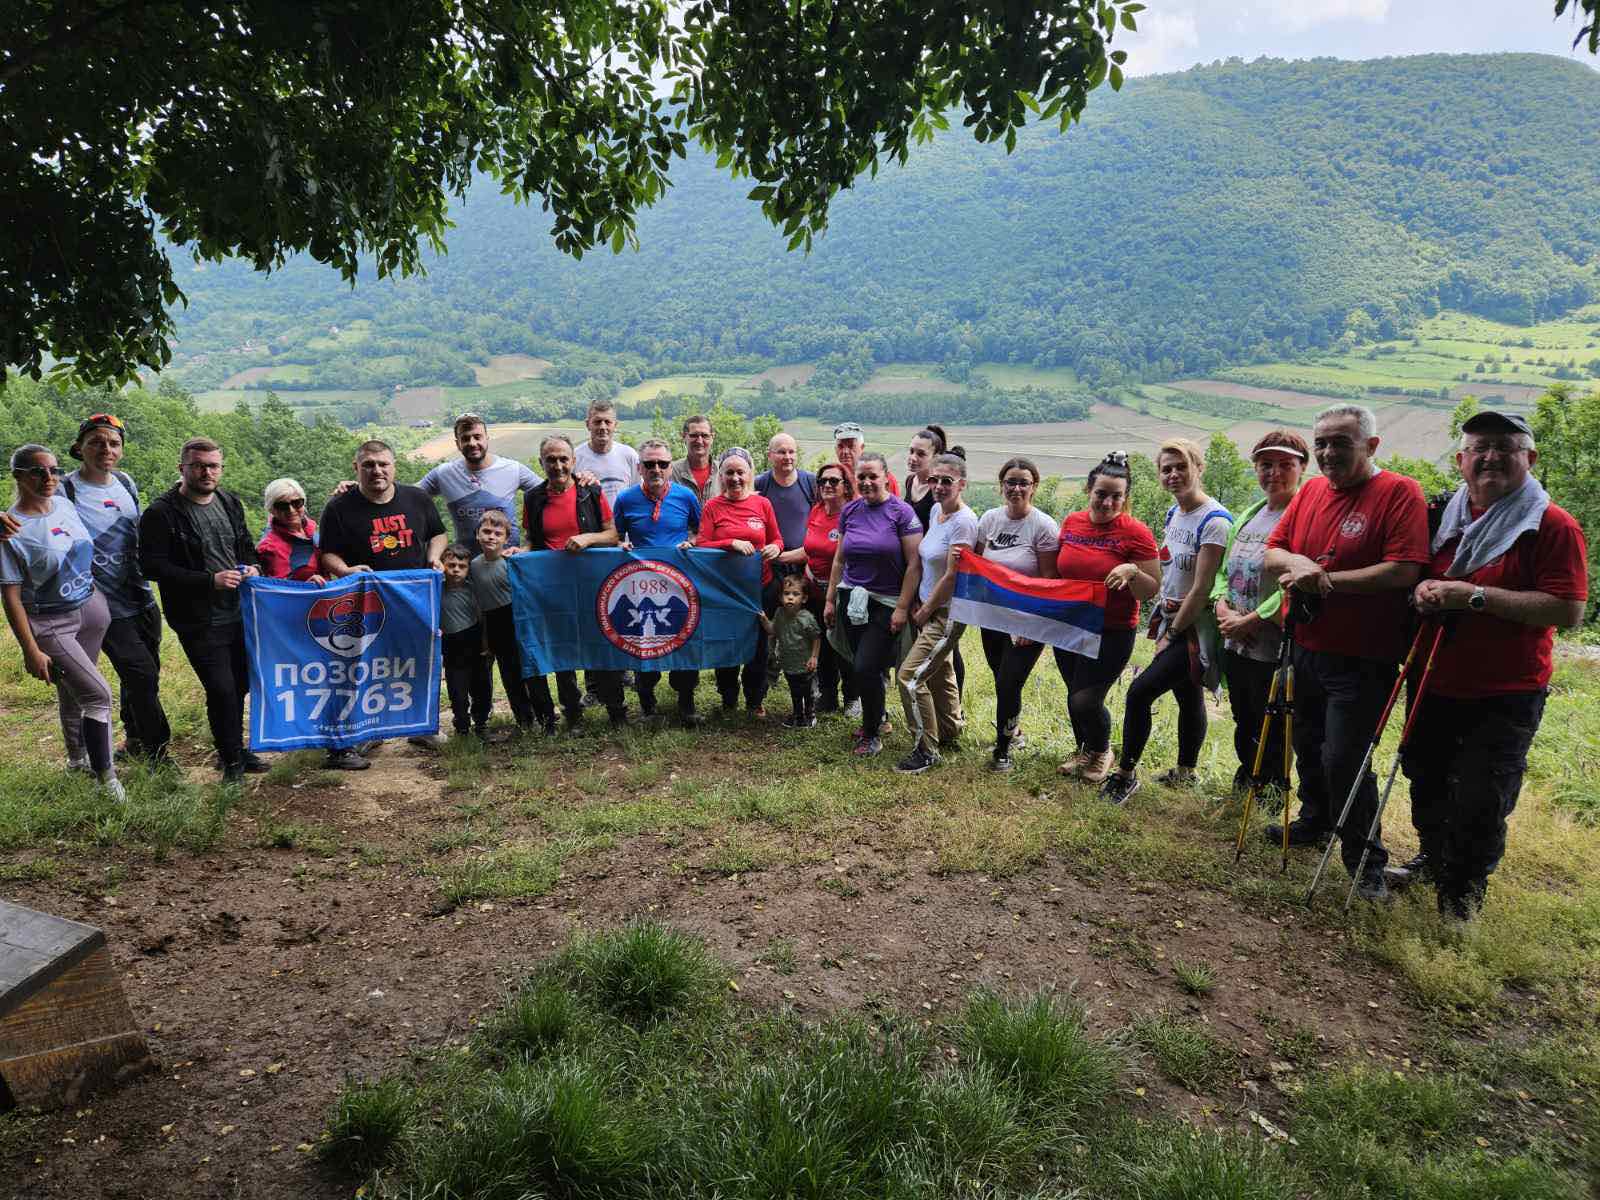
x: 64, y: 1022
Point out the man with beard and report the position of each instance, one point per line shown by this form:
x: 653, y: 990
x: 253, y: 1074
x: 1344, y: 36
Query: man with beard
x: 1352, y: 543
x: 477, y: 482
x: 1509, y: 567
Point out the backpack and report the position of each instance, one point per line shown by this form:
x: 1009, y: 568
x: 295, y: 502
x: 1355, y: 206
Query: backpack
x: 121, y: 477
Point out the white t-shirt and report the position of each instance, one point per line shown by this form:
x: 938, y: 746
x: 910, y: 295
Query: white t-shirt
x: 960, y: 528
x: 1018, y: 544
x: 1186, y: 532
x: 1244, y: 565
x: 617, y: 468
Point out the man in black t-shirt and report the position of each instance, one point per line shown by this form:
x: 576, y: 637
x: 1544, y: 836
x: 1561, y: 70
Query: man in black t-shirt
x: 378, y: 525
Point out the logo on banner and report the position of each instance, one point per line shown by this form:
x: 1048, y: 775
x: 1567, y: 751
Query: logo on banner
x: 647, y: 608
x: 346, y: 624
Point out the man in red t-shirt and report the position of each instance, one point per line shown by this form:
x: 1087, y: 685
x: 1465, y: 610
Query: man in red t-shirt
x: 1514, y: 567
x: 1352, y: 542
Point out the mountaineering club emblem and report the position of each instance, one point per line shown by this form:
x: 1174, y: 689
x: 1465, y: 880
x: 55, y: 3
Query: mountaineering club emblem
x: 647, y: 608
x: 346, y: 624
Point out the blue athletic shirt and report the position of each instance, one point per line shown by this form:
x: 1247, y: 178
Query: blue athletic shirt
x: 634, y: 513
x: 110, y: 512
x: 52, y: 557
x: 469, y: 494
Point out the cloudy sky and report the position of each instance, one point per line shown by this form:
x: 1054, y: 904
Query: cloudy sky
x: 1175, y: 34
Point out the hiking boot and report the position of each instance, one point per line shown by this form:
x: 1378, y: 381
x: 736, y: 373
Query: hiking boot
x: 918, y: 761
x: 1097, y: 766
x: 254, y: 764
x: 1416, y: 870
x: 866, y: 747
x: 1118, y: 787
x: 689, y: 718
x: 1372, y: 887
x: 1461, y: 903
x: 1301, y: 833
x: 345, y: 760
x: 232, y: 773
x: 1074, y: 765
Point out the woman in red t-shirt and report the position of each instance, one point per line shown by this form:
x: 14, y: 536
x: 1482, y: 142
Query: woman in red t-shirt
x: 835, y: 489
x: 742, y: 522
x: 1104, y: 542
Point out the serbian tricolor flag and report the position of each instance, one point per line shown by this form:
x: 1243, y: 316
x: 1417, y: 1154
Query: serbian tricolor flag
x: 1066, y: 613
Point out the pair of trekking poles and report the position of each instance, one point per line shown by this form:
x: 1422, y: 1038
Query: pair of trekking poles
x: 1280, y: 705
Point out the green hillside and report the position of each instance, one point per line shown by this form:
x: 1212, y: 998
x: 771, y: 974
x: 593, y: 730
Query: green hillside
x: 1227, y: 215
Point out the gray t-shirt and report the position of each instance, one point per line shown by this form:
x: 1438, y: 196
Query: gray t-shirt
x: 490, y: 583
x: 1186, y: 532
x: 111, y: 514
x: 216, y: 541
x: 469, y: 494
x: 617, y: 468
x: 1018, y: 544
x: 458, y: 610
x: 792, y: 504
x: 959, y: 528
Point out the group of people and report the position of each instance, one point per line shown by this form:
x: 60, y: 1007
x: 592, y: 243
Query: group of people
x: 858, y: 571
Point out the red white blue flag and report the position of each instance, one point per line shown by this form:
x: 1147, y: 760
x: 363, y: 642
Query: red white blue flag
x: 1067, y: 613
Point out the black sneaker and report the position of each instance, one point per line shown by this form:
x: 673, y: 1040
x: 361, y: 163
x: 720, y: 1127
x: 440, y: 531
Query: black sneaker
x: 1118, y: 787
x: 253, y: 763
x: 1417, y: 870
x: 1372, y: 887
x: 345, y: 760
x: 918, y: 761
x: 232, y: 773
x: 618, y: 717
x: 795, y: 721
x: 1000, y: 761
x: 689, y: 718
x: 548, y: 726
x: 1301, y: 833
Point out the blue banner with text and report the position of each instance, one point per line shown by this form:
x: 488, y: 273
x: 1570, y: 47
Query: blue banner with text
x: 353, y: 661
x: 643, y: 610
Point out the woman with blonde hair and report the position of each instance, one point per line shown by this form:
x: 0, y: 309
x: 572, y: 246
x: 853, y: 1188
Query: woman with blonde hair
x: 1192, y: 542
x: 289, y: 547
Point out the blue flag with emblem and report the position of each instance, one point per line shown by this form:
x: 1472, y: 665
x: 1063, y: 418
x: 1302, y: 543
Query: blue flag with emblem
x: 338, y: 665
x: 644, y: 610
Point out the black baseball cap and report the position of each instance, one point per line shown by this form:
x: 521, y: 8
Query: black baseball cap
x: 1494, y: 421
x: 96, y: 421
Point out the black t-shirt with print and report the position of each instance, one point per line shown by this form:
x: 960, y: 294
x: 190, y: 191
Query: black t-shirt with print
x: 385, y: 537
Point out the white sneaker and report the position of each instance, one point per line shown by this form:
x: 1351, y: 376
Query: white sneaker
x: 112, y: 787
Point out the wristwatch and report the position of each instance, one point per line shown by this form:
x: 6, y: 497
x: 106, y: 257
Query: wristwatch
x: 1478, y: 601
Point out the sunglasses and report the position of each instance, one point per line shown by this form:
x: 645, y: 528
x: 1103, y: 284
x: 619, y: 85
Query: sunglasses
x: 106, y: 419
x: 830, y: 481
x: 653, y: 464
x: 42, y: 473
x: 943, y: 480
x: 286, y: 505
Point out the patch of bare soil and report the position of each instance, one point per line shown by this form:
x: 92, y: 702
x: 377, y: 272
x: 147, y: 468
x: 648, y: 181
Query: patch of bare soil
x: 264, y: 978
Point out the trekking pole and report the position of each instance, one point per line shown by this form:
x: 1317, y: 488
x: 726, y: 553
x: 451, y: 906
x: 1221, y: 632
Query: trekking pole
x: 1394, y: 769
x: 1366, y: 761
x: 1276, y: 691
x: 1288, y: 756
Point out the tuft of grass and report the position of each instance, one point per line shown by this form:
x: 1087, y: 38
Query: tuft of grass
x: 642, y: 973
x: 291, y: 767
x: 1042, y: 1047
x: 780, y: 955
x: 1402, y: 1110
x: 515, y: 871
x: 542, y: 1017
x: 33, y: 871
x: 367, y: 1124
x: 162, y: 812
x: 313, y: 839
x: 1187, y: 1054
x: 1195, y: 978
x: 1181, y: 1163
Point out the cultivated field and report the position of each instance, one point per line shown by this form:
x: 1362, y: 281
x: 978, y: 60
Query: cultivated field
x: 508, y: 368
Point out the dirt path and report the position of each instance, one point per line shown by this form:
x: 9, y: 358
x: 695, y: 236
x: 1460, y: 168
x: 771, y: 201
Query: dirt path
x: 264, y: 977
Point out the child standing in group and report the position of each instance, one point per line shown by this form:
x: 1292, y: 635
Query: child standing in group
x: 466, y: 659
x: 492, y: 587
x: 796, y: 640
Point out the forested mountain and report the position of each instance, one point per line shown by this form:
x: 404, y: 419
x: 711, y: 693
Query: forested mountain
x: 1225, y: 214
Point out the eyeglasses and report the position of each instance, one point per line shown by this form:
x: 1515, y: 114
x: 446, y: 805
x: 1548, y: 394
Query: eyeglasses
x: 697, y: 437
x: 1016, y: 485
x: 41, y: 473
x: 105, y: 419
x: 654, y: 464
x: 943, y: 480
x: 286, y: 505
x: 200, y: 466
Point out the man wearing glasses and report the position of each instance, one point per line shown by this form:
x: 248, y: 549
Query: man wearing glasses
x: 107, y: 501
x: 659, y: 512
x: 195, y: 545
x: 694, y: 470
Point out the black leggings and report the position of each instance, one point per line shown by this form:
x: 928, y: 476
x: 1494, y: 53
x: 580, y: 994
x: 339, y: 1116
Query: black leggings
x: 833, y: 669
x: 1167, y: 672
x: 1011, y: 664
x: 874, y: 647
x: 1088, y: 680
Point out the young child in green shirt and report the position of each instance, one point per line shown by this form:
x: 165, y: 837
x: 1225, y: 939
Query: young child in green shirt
x: 796, y: 640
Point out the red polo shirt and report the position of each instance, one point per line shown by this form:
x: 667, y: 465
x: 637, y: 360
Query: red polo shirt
x: 1489, y: 656
x: 1384, y: 519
